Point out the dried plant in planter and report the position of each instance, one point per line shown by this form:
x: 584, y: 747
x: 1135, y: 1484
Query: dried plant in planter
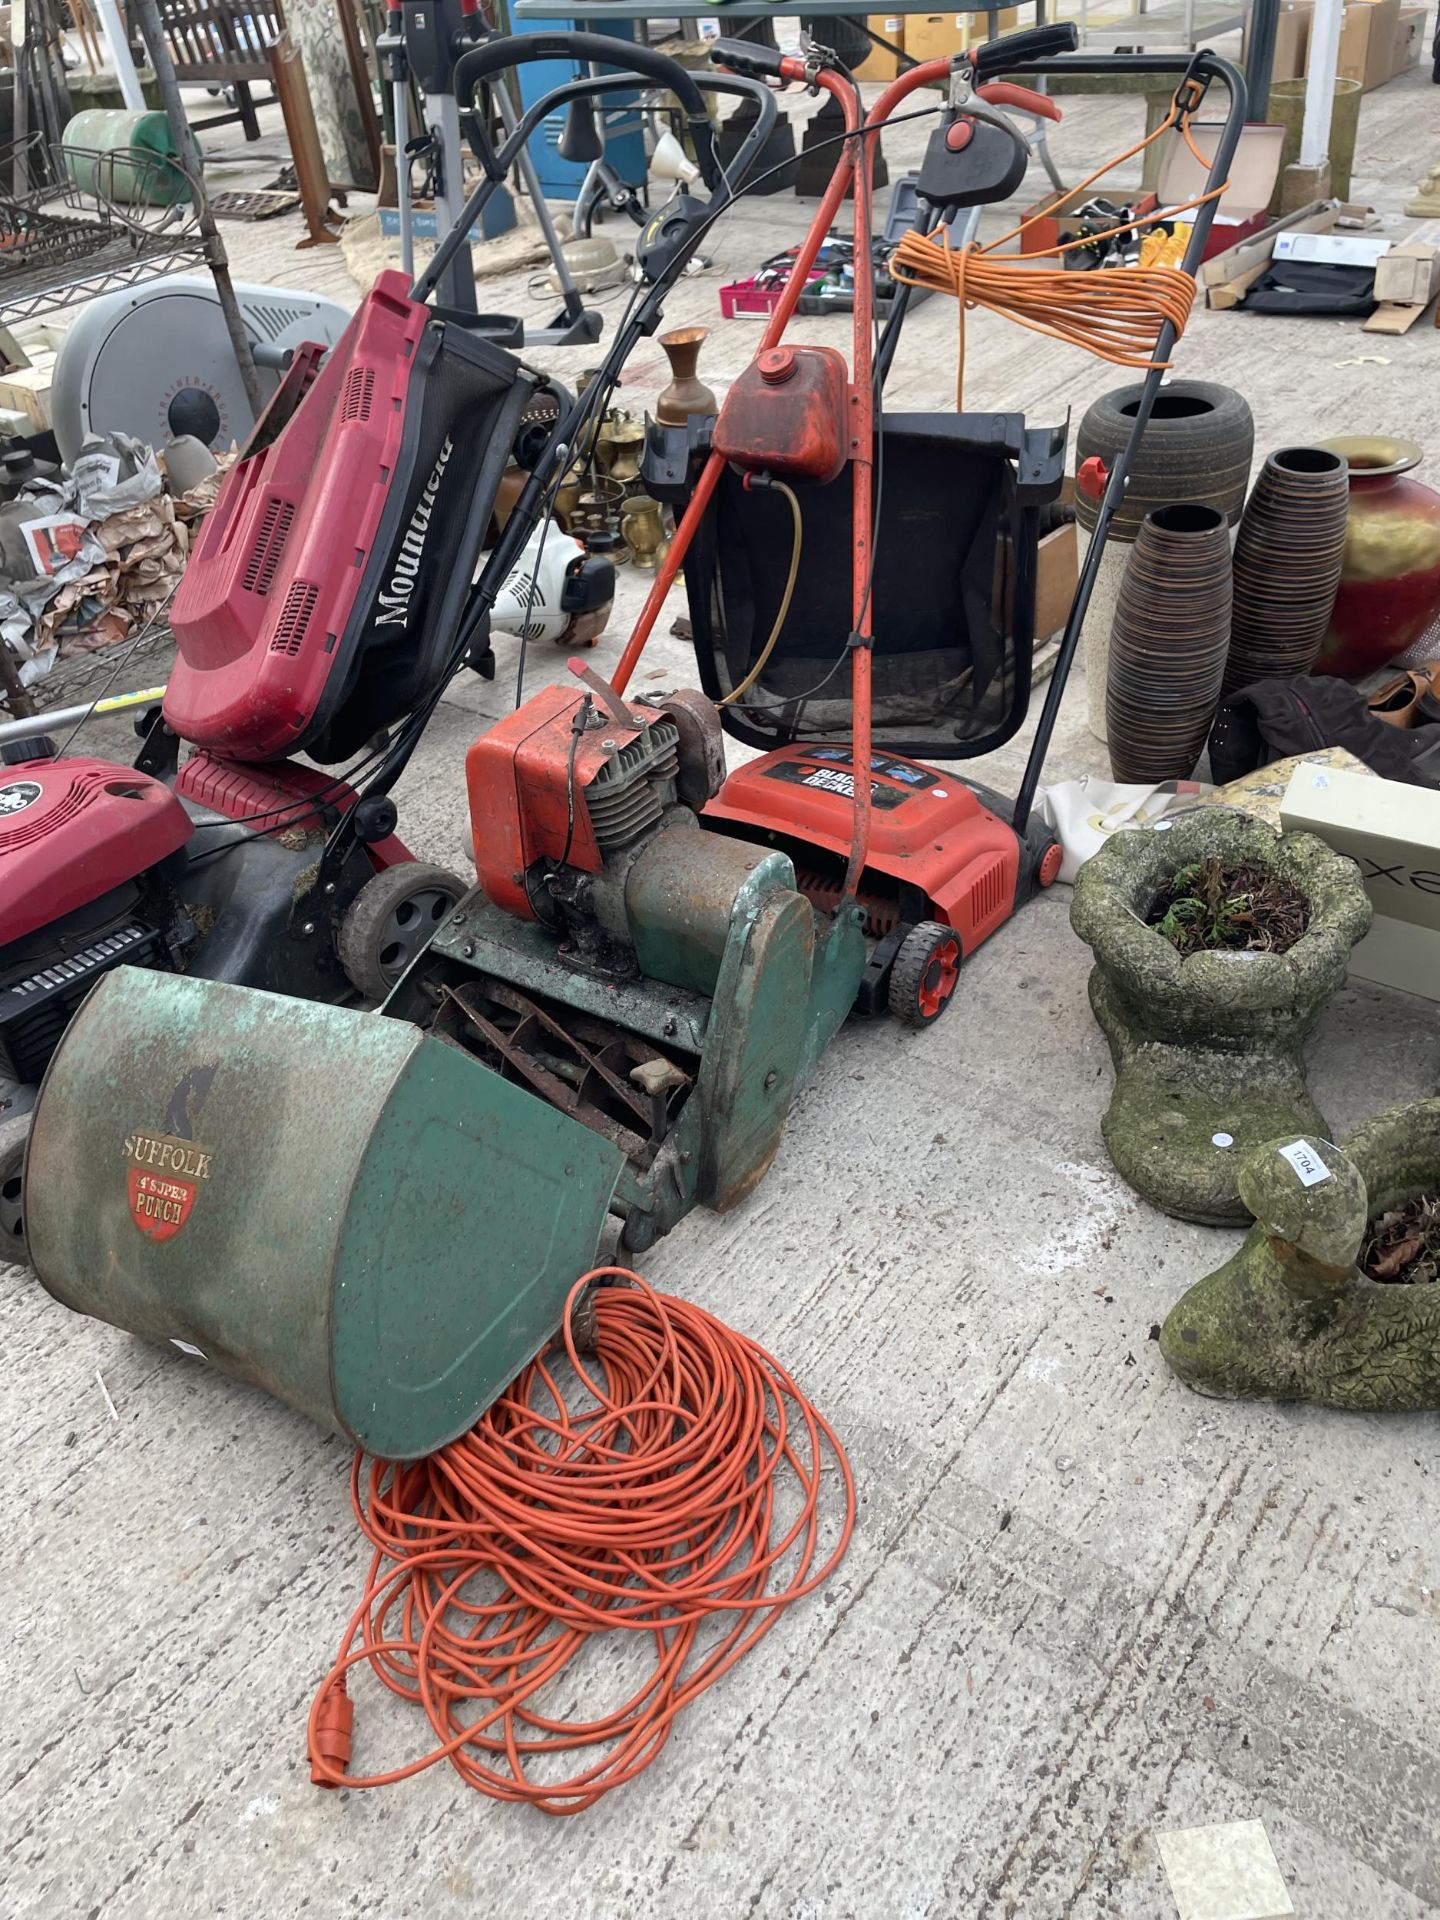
x: 1403, y: 1245
x: 1249, y: 908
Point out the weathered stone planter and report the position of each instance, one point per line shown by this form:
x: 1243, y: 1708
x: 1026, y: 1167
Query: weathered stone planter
x: 1291, y: 1317
x: 1208, y: 1050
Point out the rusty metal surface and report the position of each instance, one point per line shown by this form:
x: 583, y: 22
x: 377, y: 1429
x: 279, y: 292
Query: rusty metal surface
x: 610, y: 1081
x: 479, y: 938
x: 680, y: 895
x: 702, y: 745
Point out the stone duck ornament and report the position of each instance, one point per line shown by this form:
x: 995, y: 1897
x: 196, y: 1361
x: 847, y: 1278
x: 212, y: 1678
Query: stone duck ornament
x: 1291, y: 1316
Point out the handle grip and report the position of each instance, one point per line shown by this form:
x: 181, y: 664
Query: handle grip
x: 1017, y: 50
x: 750, y: 57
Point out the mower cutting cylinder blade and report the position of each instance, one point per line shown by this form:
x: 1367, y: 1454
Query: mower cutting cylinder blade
x: 326, y: 1204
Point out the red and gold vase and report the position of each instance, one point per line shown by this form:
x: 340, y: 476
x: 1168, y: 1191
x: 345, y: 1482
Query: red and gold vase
x: 1390, y: 579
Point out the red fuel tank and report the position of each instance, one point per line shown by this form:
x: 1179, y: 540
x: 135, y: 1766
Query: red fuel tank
x: 786, y: 415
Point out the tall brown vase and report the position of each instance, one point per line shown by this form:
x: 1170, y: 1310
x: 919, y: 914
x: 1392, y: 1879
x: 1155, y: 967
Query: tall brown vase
x: 1168, y: 644
x: 1288, y: 554
x: 685, y: 395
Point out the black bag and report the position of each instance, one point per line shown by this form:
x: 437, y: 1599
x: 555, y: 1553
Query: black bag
x: 1313, y: 286
x: 1272, y: 719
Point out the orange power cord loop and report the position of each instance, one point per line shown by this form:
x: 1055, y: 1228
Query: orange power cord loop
x: 689, y: 1487
x: 1116, y: 315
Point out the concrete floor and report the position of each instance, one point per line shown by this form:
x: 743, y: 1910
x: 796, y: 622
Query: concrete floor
x: 1082, y: 1606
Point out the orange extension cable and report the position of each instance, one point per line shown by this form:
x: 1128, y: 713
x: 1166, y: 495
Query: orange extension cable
x: 1116, y: 314
x: 649, y: 1512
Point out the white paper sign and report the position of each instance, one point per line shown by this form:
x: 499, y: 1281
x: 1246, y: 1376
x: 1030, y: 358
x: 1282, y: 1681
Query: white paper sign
x: 1306, y: 1162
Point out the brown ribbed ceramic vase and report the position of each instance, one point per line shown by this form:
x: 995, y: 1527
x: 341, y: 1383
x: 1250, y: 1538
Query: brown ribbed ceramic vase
x: 1288, y: 554
x: 1168, y: 644
x: 686, y: 394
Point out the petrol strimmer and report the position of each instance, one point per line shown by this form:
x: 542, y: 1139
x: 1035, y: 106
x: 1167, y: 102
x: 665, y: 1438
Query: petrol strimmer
x: 379, y: 1216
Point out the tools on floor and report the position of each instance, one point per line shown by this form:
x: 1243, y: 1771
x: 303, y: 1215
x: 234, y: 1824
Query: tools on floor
x: 655, y: 956
x: 381, y: 1217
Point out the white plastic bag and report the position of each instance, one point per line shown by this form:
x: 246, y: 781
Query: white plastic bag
x: 1083, y: 813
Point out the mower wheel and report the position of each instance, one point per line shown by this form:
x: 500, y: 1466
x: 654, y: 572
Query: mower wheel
x: 925, y: 974
x: 392, y: 919
x: 13, y: 1135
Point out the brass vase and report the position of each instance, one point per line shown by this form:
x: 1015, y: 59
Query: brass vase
x: 644, y: 531
x: 618, y: 447
x: 685, y: 395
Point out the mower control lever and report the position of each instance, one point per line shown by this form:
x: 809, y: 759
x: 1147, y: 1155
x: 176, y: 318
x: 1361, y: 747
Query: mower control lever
x: 1005, y: 93
x: 604, y: 693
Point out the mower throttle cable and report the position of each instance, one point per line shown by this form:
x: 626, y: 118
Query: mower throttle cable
x: 664, y: 1503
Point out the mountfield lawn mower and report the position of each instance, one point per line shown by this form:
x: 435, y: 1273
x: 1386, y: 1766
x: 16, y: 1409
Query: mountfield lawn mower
x: 379, y: 1216
x: 331, y: 596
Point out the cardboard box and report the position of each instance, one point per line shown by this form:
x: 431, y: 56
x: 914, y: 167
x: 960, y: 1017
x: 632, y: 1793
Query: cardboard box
x: 879, y: 65
x: 1244, y: 207
x: 1409, y: 274
x: 1368, y: 34
x: 1392, y: 831
x: 1057, y: 569
x: 1409, y: 48
x: 1230, y: 275
x: 1333, y: 249
x: 1378, y: 39
x: 1292, y: 40
x: 935, y: 36
x: 1006, y: 21
x: 1057, y: 210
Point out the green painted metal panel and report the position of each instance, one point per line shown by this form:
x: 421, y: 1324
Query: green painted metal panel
x: 757, y: 1034
x: 681, y: 896
x: 493, y: 1203
x: 841, y: 952
x: 324, y: 1203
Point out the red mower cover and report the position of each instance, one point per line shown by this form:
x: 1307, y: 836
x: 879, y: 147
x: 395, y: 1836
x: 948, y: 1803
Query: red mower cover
x: 325, y: 590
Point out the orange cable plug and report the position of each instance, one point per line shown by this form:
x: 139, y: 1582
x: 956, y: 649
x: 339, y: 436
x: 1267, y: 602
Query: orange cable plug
x: 330, y: 1733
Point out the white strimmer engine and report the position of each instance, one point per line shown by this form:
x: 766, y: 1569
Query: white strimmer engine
x: 555, y: 591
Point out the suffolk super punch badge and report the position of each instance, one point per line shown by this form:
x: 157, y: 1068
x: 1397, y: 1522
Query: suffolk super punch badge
x: 163, y: 1176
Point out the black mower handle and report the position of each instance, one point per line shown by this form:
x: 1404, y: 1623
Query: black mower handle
x: 602, y: 50
x: 1017, y: 50
x: 750, y: 57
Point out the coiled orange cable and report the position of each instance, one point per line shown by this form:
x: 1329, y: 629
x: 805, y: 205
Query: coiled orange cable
x: 649, y: 1512
x: 1116, y: 315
